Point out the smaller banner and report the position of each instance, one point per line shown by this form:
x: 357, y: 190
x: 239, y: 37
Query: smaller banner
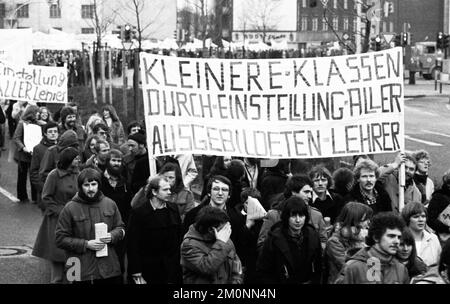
x: 33, y: 83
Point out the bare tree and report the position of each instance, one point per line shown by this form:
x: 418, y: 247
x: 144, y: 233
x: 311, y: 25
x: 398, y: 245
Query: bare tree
x: 142, y: 21
x: 259, y: 16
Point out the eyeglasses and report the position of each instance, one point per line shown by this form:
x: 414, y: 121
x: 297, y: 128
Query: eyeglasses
x: 217, y: 189
x: 102, y: 132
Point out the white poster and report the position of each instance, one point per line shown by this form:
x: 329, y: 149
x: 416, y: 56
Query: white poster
x: 274, y: 108
x: 33, y: 83
x: 32, y: 135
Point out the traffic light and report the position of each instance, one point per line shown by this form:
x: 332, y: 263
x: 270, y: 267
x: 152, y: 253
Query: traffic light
x: 440, y: 40
x: 127, y: 33
x: 397, y: 40
x: 446, y: 41
x: 375, y: 43
x: 405, y: 38
x: 119, y: 32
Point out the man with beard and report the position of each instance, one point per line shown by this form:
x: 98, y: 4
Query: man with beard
x: 75, y: 231
x: 390, y: 180
x: 50, y: 132
x: 366, y: 189
x: 377, y: 264
x: 114, y: 187
x: 99, y: 159
x: 69, y: 122
x: 113, y: 183
x: 154, y: 237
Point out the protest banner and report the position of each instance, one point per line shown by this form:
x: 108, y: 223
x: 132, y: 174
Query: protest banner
x: 274, y: 108
x: 33, y: 83
x: 15, y: 46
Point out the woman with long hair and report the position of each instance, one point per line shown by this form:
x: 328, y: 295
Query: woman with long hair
x: 350, y: 231
x: 114, y: 124
x: 44, y: 116
x: 182, y: 197
x: 89, y: 148
x: 407, y: 255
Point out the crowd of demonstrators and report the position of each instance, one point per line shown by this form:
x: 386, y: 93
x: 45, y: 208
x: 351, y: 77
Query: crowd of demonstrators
x: 256, y: 221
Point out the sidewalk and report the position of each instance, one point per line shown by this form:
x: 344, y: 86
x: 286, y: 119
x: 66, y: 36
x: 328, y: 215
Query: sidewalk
x: 424, y: 88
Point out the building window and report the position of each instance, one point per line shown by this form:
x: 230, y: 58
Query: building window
x: 87, y: 11
x: 315, y: 24
x: 391, y: 26
x: 345, y: 24
x: 87, y: 30
x: 304, y: 4
x: 345, y: 4
x: 335, y: 23
x: 55, y: 11
x: 2, y: 10
x: 384, y: 26
x: 304, y: 25
x: 22, y: 11
x: 335, y: 4
x: 324, y: 24
x: 58, y: 28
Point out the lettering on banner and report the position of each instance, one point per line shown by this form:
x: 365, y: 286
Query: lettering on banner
x: 33, y: 83
x: 283, y: 108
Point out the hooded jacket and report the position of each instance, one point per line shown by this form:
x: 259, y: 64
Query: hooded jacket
x: 76, y: 226
x: 283, y: 262
x: 205, y: 260
x: 51, y: 156
x: 361, y: 268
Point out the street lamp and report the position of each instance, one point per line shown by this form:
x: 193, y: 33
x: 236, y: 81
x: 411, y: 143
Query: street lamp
x: 12, y: 18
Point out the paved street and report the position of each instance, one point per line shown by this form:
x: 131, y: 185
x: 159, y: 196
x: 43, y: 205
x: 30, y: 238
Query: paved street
x: 426, y: 121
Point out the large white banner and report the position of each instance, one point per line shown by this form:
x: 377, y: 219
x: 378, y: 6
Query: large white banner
x: 33, y: 83
x: 16, y: 46
x: 274, y: 108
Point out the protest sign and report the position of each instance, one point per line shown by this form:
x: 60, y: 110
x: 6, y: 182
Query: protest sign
x: 15, y: 46
x: 33, y: 83
x: 274, y: 108
x: 32, y: 135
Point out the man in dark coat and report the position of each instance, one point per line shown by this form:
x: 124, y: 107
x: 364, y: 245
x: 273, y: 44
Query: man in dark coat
x: 50, y: 132
x: 114, y: 187
x: 366, y: 189
x: 138, y: 153
x: 154, y: 237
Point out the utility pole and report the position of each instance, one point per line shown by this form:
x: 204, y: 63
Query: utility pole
x: 102, y: 72
x: 110, y: 75
x: 358, y: 27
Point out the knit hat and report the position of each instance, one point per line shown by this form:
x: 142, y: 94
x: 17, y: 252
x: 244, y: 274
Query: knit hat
x: 139, y: 138
x: 65, y: 112
x: 66, y: 157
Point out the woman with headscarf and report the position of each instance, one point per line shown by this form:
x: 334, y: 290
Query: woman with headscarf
x: 59, y: 188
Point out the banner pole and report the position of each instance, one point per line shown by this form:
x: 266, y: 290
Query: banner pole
x: 401, y: 185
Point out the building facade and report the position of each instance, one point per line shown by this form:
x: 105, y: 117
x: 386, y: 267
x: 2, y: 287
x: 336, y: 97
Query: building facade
x: 79, y: 16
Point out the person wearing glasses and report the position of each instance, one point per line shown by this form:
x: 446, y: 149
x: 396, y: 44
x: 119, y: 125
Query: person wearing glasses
x: 423, y: 182
x: 219, y: 191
